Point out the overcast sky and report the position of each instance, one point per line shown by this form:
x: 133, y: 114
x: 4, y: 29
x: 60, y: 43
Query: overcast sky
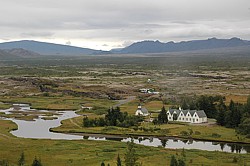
x: 106, y: 24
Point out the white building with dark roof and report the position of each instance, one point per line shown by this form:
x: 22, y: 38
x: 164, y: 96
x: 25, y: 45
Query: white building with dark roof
x: 141, y: 111
x: 190, y: 116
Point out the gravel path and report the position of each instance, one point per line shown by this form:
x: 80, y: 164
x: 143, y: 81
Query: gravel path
x: 121, y: 102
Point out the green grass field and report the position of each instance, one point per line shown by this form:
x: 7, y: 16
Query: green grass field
x: 4, y: 106
x: 56, y: 103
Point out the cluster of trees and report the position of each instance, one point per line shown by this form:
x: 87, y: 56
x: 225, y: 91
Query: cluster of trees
x: 235, y: 115
x: 244, y: 126
x: 229, y: 116
x: 206, y: 103
x: 21, y: 161
x: 114, y: 117
x: 162, y: 117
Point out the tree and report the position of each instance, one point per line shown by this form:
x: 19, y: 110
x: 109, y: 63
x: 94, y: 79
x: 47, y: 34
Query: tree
x: 221, y: 113
x: 173, y: 161
x: 234, y: 114
x: 184, y: 104
x: 101, y: 122
x: 21, y: 160
x: 181, y: 162
x: 237, y: 115
x: 207, y: 103
x: 86, y: 122
x: 244, y: 127
x: 163, y: 117
x: 36, y: 162
x: 131, y: 156
x: 247, y: 107
x: 155, y: 121
x: 102, y: 164
x: 118, y: 162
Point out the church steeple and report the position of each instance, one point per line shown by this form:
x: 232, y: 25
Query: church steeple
x: 139, y: 106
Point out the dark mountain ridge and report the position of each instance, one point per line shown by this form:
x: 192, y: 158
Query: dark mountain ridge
x: 159, y: 47
x: 31, y: 48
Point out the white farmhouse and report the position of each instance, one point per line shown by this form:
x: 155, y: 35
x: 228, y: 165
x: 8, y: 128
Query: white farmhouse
x: 190, y: 116
x: 141, y: 111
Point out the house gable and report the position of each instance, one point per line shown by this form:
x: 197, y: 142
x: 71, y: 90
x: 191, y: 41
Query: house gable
x: 195, y: 115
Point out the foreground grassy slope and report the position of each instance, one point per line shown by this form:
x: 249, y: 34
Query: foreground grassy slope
x: 92, y: 153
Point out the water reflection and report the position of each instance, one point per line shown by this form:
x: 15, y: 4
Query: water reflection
x: 174, y: 143
x: 164, y: 142
x: 222, y: 146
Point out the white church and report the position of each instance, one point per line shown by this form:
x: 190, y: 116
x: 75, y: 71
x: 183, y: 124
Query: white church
x: 141, y: 111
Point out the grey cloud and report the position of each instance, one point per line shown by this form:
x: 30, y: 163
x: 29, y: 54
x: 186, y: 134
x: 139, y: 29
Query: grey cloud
x: 119, y: 20
x: 36, y: 34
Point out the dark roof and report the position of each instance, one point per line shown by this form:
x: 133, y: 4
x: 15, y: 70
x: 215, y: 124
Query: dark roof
x: 174, y: 110
x: 201, y: 114
x: 185, y: 112
x: 192, y: 112
x: 144, y: 110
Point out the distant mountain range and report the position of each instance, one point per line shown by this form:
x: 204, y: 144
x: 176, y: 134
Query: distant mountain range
x: 29, y: 48
x: 44, y: 48
x: 159, y: 47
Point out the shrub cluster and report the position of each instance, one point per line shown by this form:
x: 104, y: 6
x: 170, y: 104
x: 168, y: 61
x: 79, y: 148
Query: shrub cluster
x: 114, y: 117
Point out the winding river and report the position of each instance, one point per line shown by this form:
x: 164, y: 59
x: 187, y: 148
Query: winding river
x: 39, y: 129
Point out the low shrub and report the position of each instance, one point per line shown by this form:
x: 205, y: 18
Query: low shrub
x: 197, y: 133
x: 248, y: 136
x: 184, y: 133
x: 235, y: 159
x: 216, y: 135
